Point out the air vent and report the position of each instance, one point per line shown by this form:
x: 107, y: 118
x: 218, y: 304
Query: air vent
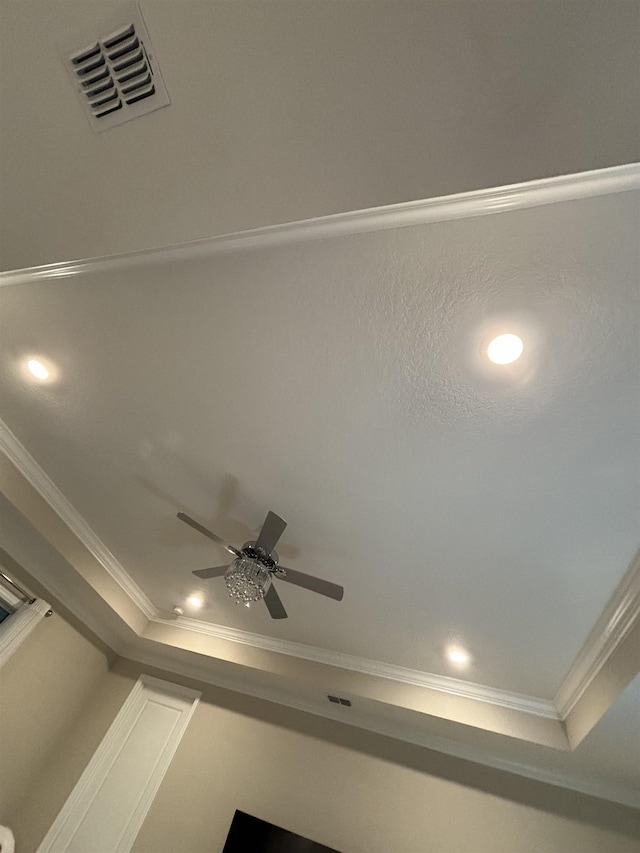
x: 117, y: 76
x: 338, y: 700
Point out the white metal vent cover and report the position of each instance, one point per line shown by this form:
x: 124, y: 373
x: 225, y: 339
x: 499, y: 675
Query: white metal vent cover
x: 117, y: 76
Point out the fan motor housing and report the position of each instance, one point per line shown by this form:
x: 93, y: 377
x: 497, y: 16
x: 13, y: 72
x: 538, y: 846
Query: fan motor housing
x: 269, y: 561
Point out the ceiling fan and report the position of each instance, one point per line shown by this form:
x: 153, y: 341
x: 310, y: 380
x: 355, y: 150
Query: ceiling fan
x: 249, y: 577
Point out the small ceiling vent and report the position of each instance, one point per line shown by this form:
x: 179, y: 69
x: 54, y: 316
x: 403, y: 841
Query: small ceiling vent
x: 338, y: 700
x: 117, y: 76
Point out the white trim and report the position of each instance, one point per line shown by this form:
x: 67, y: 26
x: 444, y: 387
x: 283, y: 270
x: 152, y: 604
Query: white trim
x: 42, y: 562
x: 72, y: 819
x: 441, y: 209
x: 34, y: 474
x: 441, y: 683
x: 16, y: 628
x: 612, y: 627
x: 420, y: 736
x: 47, y: 489
x: 620, y: 615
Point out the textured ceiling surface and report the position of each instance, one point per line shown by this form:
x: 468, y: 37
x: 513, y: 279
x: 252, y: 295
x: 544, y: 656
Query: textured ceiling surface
x: 288, y: 110
x: 340, y: 383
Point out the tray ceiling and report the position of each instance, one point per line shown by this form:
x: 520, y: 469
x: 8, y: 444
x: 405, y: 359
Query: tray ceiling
x: 341, y: 382
x: 338, y: 375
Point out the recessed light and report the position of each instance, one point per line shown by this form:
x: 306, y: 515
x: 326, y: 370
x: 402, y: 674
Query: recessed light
x: 37, y: 369
x: 458, y: 656
x: 194, y: 601
x: 504, y: 349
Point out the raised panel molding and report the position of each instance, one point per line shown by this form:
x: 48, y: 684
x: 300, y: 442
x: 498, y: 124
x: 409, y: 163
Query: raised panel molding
x: 482, y: 202
x: 111, y: 799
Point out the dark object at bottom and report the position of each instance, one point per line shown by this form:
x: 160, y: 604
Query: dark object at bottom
x: 251, y: 835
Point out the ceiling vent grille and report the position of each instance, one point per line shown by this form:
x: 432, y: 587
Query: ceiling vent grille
x: 339, y: 700
x: 117, y: 77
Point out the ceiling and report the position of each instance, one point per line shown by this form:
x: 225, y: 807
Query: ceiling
x: 340, y: 383
x: 339, y: 378
x: 288, y: 110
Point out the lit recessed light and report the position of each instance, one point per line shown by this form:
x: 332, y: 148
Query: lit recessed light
x: 504, y: 349
x: 194, y: 601
x: 37, y: 369
x: 458, y: 656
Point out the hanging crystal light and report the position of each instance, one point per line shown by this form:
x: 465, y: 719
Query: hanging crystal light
x: 247, y: 580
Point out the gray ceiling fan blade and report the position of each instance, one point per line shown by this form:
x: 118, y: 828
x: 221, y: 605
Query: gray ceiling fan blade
x: 331, y: 590
x: 272, y: 530
x: 274, y: 605
x: 216, y: 572
x: 196, y: 526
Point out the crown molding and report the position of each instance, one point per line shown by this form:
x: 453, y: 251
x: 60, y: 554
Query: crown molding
x: 618, y: 618
x: 420, y: 736
x: 34, y: 474
x: 46, y: 488
x: 543, y: 191
x: 613, y: 626
x: 379, y: 669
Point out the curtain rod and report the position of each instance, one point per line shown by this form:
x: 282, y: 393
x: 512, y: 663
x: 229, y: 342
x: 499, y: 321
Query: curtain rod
x: 22, y: 592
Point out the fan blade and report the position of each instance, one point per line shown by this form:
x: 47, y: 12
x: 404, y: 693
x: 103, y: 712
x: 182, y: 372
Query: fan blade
x: 274, y: 605
x: 216, y: 572
x: 190, y: 521
x: 331, y: 590
x: 272, y: 530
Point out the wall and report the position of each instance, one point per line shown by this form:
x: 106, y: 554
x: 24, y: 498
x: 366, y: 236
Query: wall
x: 48, y: 690
x: 358, y: 792
x: 44, y: 686
x: 349, y: 789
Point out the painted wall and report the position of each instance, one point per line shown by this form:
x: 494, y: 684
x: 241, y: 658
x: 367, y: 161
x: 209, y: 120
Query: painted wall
x: 44, y: 687
x: 359, y: 792
x: 352, y: 790
x: 54, y: 712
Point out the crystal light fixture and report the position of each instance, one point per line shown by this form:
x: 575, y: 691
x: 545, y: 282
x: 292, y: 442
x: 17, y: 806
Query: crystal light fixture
x: 247, y: 580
